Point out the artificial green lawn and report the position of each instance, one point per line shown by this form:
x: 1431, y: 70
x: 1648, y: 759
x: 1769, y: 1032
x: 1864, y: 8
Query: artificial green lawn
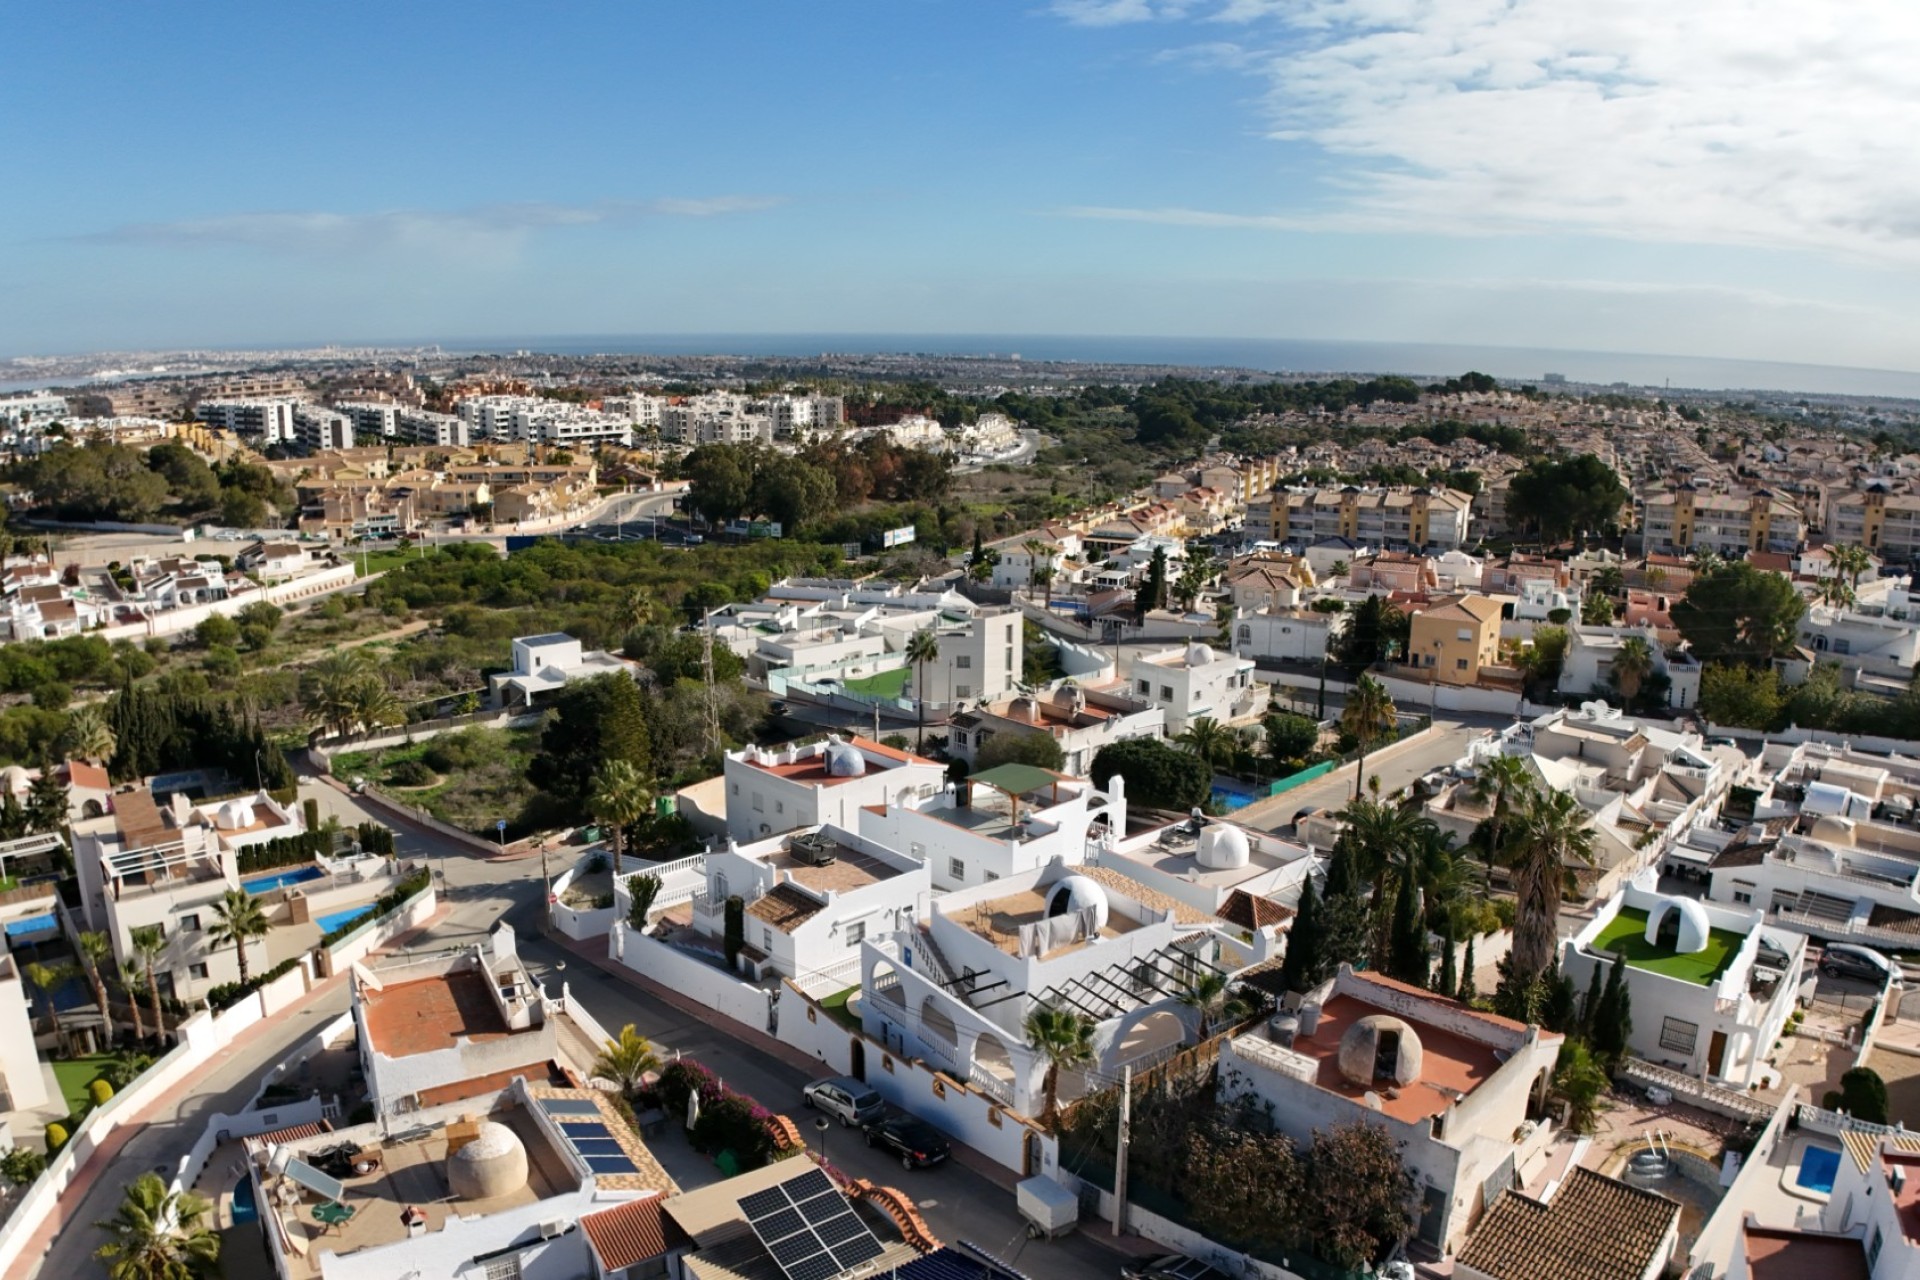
x: 74, y: 1075
x: 887, y: 684
x: 836, y: 1007
x: 1626, y: 934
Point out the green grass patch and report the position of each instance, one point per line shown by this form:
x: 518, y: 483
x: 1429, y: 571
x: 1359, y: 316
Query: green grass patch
x: 836, y: 1007
x: 480, y: 772
x: 381, y: 561
x: 1625, y: 935
x: 74, y: 1075
x: 887, y: 684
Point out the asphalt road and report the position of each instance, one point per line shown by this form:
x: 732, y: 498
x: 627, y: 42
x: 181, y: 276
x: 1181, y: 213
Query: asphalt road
x: 1443, y: 744
x: 957, y: 1202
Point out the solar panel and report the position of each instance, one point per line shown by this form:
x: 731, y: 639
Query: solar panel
x: 807, y: 1227
x: 315, y: 1181
x: 599, y: 1147
x: 584, y: 1129
x: 611, y: 1164
x: 569, y: 1106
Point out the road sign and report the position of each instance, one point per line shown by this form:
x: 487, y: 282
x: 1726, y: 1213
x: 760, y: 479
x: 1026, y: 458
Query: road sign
x: 501, y: 826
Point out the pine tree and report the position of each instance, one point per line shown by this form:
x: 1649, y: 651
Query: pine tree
x: 1406, y: 957
x: 1467, y: 994
x: 1340, y: 877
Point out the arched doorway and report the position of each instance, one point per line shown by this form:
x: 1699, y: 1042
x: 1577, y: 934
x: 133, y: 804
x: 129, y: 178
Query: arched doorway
x: 857, y: 1058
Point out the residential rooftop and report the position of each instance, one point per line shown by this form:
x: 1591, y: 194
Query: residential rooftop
x: 428, y: 1014
x: 1775, y: 1253
x: 1625, y: 935
x: 1594, y: 1228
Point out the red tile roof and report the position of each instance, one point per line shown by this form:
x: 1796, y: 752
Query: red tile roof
x: 632, y: 1233
x: 1251, y: 911
x: 81, y: 773
x: 1596, y: 1228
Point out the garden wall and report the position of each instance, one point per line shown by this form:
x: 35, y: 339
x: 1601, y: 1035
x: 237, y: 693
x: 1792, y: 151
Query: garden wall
x: 1720, y: 1234
x: 1160, y: 1230
x: 379, y: 931
x: 674, y: 969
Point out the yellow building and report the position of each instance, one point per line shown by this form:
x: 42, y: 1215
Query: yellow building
x: 1456, y: 639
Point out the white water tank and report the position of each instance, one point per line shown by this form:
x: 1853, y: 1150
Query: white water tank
x: 1223, y: 847
x: 844, y: 760
x: 1199, y: 655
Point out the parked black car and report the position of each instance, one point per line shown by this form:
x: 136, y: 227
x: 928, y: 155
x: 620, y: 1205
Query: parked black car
x: 917, y: 1143
x: 1171, y: 1266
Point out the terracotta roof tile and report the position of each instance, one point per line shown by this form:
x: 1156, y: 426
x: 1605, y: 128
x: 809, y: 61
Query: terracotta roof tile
x: 632, y: 1233
x: 1596, y: 1228
x: 1251, y: 911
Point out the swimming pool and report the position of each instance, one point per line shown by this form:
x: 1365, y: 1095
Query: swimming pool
x: 244, y: 1209
x: 281, y: 879
x: 328, y: 923
x: 1817, y: 1167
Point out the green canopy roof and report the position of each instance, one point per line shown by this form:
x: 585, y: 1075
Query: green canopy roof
x: 1017, y: 779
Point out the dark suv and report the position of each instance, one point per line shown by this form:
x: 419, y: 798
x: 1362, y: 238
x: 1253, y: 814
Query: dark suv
x: 917, y: 1143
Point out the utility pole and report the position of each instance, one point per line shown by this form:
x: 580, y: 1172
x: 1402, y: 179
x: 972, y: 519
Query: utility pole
x: 1120, y: 1150
x: 713, y: 696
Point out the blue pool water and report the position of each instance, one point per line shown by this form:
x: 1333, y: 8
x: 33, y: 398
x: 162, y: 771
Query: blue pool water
x: 243, y: 1208
x: 328, y: 923
x: 281, y: 879
x: 32, y: 924
x: 1817, y: 1167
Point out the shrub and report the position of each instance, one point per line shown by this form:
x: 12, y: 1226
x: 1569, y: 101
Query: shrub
x: 100, y: 1092
x: 56, y: 1137
x: 21, y: 1165
x: 228, y: 994
x: 1863, y: 1095
x: 412, y: 773
x: 642, y: 890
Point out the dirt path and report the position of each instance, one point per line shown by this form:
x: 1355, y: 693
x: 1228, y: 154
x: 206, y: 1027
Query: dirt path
x: 400, y: 632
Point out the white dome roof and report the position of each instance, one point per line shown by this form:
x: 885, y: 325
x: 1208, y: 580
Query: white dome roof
x: 1199, y: 655
x: 1222, y: 846
x: 233, y: 815
x: 845, y: 761
x: 15, y: 778
x: 1077, y: 893
x: 493, y: 1164
x: 1695, y: 928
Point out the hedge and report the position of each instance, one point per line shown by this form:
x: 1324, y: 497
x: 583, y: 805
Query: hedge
x: 285, y: 851
x: 228, y: 994
x: 386, y: 905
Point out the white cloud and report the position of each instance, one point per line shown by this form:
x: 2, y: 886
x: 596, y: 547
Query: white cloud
x: 1114, y: 13
x: 483, y: 231
x: 1779, y: 124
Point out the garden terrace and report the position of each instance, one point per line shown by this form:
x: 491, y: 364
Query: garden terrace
x: 1625, y: 935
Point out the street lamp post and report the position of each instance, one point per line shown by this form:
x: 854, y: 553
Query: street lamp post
x: 821, y: 1125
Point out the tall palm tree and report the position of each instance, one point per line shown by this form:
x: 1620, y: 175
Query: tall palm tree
x: 237, y: 918
x: 373, y: 705
x: 1551, y: 837
x: 1502, y: 784
x: 1039, y: 566
x: 1852, y: 560
x: 1631, y: 666
x: 328, y: 690
x: 96, y: 949
x: 1705, y: 561
x: 923, y: 646
x: 133, y: 977
x: 88, y: 736
x: 158, y: 1234
x: 149, y: 944
x: 1207, y: 995
x: 1832, y: 590
x: 1369, y: 717
x: 626, y: 1061
x: 1065, y: 1040
x: 1207, y: 738
x: 618, y: 797
x: 47, y: 979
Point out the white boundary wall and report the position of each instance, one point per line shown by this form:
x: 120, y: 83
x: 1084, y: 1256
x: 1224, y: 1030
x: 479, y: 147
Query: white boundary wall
x: 377, y: 932
x: 677, y: 971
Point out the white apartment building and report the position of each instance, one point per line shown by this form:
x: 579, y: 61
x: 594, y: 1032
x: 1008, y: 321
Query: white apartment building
x: 149, y: 863
x: 1591, y: 651
x: 31, y: 410
x: 420, y: 426
x: 268, y: 421
x: 1195, y: 681
x: 1288, y: 635
x: 811, y: 898
x: 1463, y: 1093
x: 1079, y: 723
x: 492, y: 417
x: 26, y: 918
x: 316, y: 428
x: 372, y: 419
x: 773, y: 790
x: 981, y: 658
x: 1721, y: 1025
x: 638, y: 409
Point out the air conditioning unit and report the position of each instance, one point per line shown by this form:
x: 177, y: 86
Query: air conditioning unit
x: 815, y: 848
x: 552, y: 1228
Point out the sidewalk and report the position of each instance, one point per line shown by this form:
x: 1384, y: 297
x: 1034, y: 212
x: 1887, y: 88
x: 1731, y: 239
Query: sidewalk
x: 241, y: 1048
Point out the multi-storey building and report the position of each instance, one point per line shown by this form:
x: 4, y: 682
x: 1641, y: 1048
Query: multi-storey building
x: 372, y: 419
x: 1883, y: 520
x: 1728, y: 524
x: 774, y: 790
x: 31, y: 410
x: 1195, y: 682
x: 267, y: 421
x: 316, y: 428
x: 422, y: 426
x: 1399, y: 519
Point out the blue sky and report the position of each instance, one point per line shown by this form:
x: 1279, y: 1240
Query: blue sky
x: 1724, y: 178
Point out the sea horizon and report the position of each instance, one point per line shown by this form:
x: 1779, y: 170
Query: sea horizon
x: 1279, y: 356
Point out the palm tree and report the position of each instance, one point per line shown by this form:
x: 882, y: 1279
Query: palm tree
x: 618, y: 796
x: 1502, y: 784
x: 1608, y: 580
x: 88, y: 736
x: 1208, y: 996
x: 373, y: 705
x: 132, y: 978
x: 1631, y: 666
x: 1852, y: 560
x: 1065, y: 1040
x: 328, y: 690
x: 96, y: 949
x: 1705, y: 561
x: 1039, y: 566
x: 923, y: 646
x: 1831, y: 590
x: 626, y: 1061
x: 159, y: 1235
x: 237, y: 918
x: 1368, y: 716
x: 149, y: 944
x: 48, y: 978
x: 1551, y: 836
x: 1208, y: 739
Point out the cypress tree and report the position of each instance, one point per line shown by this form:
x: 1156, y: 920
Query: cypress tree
x: 1406, y: 957
x: 1613, y: 1020
x: 1305, y: 942
x: 1449, y: 980
x: 1340, y: 879
x: 1590, y: 1007
x: 1467, y: 994
x: 1562, y: 1010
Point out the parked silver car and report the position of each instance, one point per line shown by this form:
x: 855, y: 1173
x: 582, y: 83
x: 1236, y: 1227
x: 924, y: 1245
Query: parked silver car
x: 846, y: 1100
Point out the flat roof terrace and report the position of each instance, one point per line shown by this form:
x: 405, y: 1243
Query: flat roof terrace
x: 1451, y: 1066
x: 1000, y: 919
x: 850, y: 869
x: 1626, y: 933
x: 431, y: 1013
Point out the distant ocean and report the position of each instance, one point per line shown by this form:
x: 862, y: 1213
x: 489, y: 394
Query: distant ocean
x: 1272, y: 355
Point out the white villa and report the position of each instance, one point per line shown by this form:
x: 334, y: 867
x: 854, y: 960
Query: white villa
x: 769, y: 791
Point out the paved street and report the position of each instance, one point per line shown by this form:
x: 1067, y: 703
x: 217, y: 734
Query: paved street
x: 958, y: 1203
x: 1442, y: 745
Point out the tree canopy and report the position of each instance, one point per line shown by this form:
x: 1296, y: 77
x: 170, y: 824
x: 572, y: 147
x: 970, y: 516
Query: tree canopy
x: 1158, y: 776
x: 1738, y: 613
x: 1560, y: 497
